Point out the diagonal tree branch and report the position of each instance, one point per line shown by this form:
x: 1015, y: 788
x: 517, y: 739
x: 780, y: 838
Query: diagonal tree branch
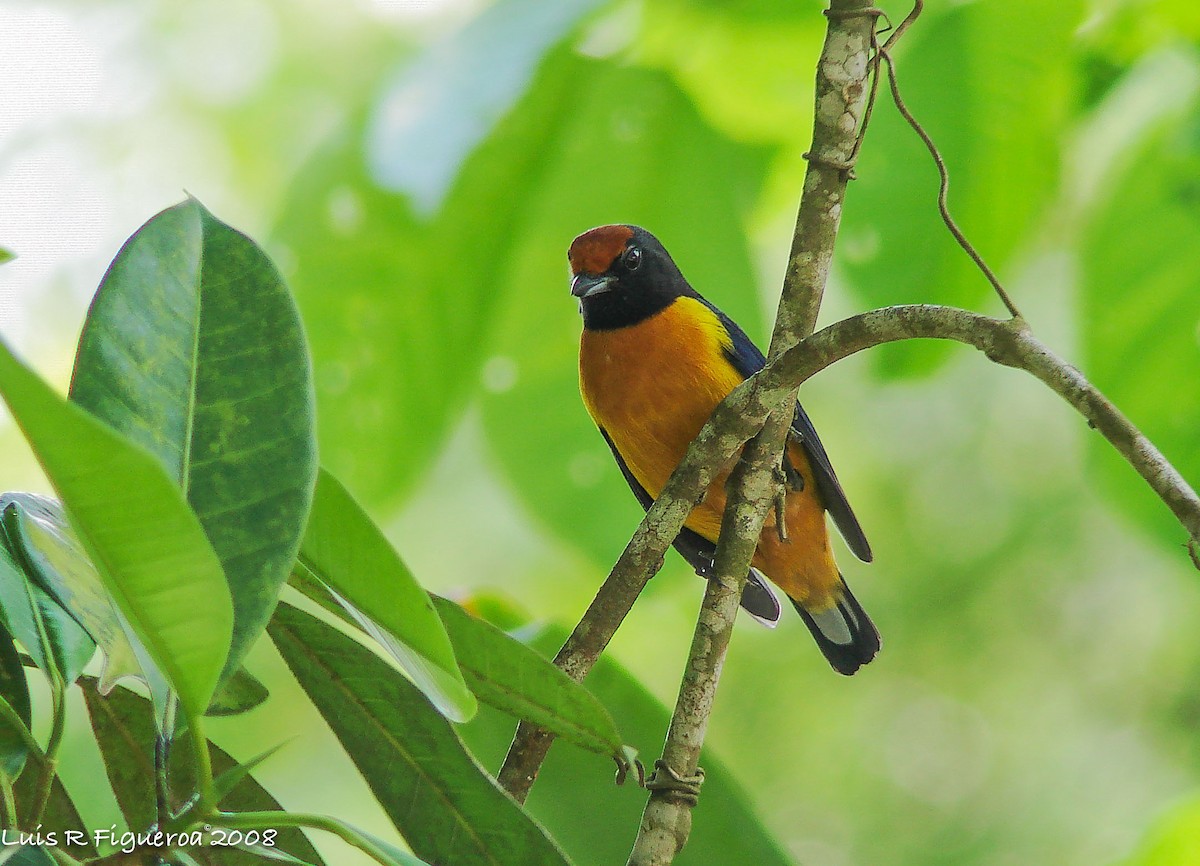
x: 842, y: 74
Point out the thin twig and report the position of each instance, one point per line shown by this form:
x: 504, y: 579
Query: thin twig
x: 943, y: 174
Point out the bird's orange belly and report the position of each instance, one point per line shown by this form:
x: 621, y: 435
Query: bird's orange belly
x: 651, y: 387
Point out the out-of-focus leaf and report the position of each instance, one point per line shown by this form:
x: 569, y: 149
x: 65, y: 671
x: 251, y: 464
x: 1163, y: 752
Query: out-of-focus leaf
x: 997, y: 119
x: 508, y: 675
x: 445, y: 101
x: 346, y: 551
x: 444, y: 805
x: 15, y: 690
x: 645, y: 159
x: 25, y: 855
x: 399, y: 340
x: 1174, y: 840
x: 125, y: 731
x: 6, y: 255
x: 60, y: 815
x: 574, y: 783
x: 193, y: 349
x: 1141, y: 305
x: 51, y: 636
x: 240, y: 693
x: 62, y: 567
x: 133, y: 521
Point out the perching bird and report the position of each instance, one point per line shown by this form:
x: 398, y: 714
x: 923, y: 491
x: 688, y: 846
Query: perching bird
x: 655, y: 359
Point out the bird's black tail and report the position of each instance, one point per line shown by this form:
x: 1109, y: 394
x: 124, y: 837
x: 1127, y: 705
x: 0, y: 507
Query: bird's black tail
x: 843, y: 631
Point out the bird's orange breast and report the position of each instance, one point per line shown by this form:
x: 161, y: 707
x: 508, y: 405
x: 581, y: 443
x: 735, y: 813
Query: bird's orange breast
x: 651, y: 386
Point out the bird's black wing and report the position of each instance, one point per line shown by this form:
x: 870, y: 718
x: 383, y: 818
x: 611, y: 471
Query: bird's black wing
x: 757, y: 597
x: 747, y: 359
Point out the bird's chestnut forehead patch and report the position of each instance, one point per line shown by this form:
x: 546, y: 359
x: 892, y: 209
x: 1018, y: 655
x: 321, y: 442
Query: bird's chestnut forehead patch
x: 594, y: 251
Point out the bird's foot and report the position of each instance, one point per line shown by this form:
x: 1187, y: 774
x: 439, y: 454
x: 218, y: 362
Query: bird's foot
x: 686, y: 788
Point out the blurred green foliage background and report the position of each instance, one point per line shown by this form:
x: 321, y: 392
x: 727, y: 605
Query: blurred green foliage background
x: 418, y: 168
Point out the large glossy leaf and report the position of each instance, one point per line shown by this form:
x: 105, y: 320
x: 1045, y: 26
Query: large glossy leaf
x: 125, y: 730
x: 647, y: 159
x: 14, y: 689
x: 136, y: 526
x: 446, y: 807
x: 997, y: 120
x: 54, y: 640
x: 1140, y: 304
x: 194, y: 350
x: 346, y: 551
x: 60, y: 565
x: 508, y: 675
x: 573, y: 783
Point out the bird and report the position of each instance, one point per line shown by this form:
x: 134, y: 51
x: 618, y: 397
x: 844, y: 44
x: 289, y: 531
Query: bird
x: 655, y: 359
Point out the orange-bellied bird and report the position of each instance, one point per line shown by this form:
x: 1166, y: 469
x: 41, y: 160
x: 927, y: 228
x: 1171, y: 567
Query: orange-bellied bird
x: 655, y: 359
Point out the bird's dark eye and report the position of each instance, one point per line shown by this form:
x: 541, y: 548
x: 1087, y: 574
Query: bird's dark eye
x: 632, y: 258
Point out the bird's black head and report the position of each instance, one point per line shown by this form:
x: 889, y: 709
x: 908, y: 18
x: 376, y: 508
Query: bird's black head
x: 622, y: 275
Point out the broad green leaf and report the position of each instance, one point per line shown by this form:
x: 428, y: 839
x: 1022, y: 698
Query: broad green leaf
x: 444, y: 805
x: 238, y: 694
x: 401, y: 858
x: 1140, y: 307
x: 62, y: 567
x: 6, y: 255
x: 997, y: 119
x: 194, y: 350
x: 54, y: 640
x: 574, y: 783
x: 136, y: 526
x: 1173, y: 840
x: 508, y: 675
x: 14, y: 689
x: 346, y: 551
x: 648, y: 160
x: 125, y: 729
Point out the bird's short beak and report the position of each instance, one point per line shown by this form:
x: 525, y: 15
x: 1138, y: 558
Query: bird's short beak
x: 585, y: 285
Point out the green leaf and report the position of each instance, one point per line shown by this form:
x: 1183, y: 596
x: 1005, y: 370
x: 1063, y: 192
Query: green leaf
x: 651, y: 161
x: 229, y: 779
x: 1173, y: 840
x: 61, y: 567
x: 54, y: 640
x: 1141, y: 305
x: 462, y: 86
x: 399, y: 346
x: 60, y: 815
x: 136, y: 526
x: 240, y: 693
x: 14, y: 689
x: 6, y: 255
x: 441, y: 801
x: 998, y: 122
x: 508, y: 675
x: 573, y: 783
x: 25, y: 855
x: 345, y: 550
x: 194, y: 350
x: 125, y: 730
